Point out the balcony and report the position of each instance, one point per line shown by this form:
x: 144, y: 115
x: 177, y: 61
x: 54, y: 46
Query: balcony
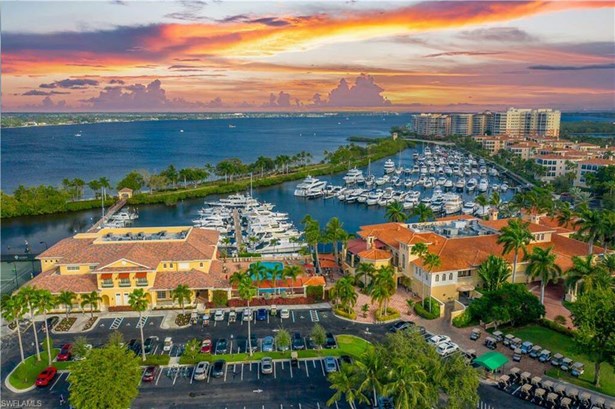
x: 107, y: 284
x: 124, y: 283
x: 142, y: 283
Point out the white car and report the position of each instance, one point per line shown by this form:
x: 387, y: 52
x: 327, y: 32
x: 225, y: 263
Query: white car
x: 219, y: 315
x: 285, y: 313
x: 446, y: 348
x: 168, y: 344
x: 201, y: 370
x: 438, y: 339
x: 247, y: 314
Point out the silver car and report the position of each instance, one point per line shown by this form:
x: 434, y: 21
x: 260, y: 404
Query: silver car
x: 266, y: 365
x: 201, y: 371
x: 330, y: 364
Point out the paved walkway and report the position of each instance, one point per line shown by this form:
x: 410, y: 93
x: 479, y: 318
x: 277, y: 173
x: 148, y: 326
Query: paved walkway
x: 554, y: 294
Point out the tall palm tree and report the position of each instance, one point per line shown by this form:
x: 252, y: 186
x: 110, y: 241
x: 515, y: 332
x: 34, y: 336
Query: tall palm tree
x: 13, y: 310
x: 395, y: 212
x: 290, y: 272
x: 586, y: 274
x: 494, y: 272
x: 564, y: 214
x: 407, y: 386
x: 370, y: 373
x: 336, y: 233
x: 482, y: 201
x: 515, y: 237
x: 345, y: 383
x: 423, y: 212
x: 344, y: 291
x: 384, y: 286
x: 419, y: 250
x: 137, y: 300
x: 365, y: 270
x: 46, y: 302
x: 247, y: 290
x: 92, y: 300
x: 258, y: 272
x: 495, y: 200
x: 431, y: 261
x: 29, y: 296
x: 542, y: 265
x: 181, y: 294
x: 313, y: 236
x: 66, y: 298
x: 589, y: 223
x: 608, y: 262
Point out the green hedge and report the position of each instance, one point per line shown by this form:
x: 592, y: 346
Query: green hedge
x: 350, y: 315
x: 315, y: 292
x: 422, y: 312
x: 388, y: 315
x: 463, y: 320
x: 556, y: 327
x: 157, y: 360
x: 219, y: 298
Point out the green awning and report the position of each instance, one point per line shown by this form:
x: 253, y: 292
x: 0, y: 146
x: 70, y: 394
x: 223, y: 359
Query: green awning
x: 491, y: 360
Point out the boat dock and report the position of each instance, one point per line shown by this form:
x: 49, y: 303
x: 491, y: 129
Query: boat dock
x: 112, y: 210
x: 237, y: 225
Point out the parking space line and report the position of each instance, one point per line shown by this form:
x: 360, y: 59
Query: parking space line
x: 268, y: 315
x: 336, y: 405
x: 208, y: 374
x: 159, y: 374
x: 292, y: 312
x: 242, y: 372
x: 274, y: 374
x: 57, y: 380
x: 314, y: 363
x: 155, y: 349
x: 290, y: 366
x: 258, y: 373
x: 225, y: 372
x: 175, y: 377
x: 299, y: 406
x: 318, y: 405
x: 192, y: 377
x: 140, y: 380
x: 282, y: 362
x: 306, y: 370
x: 322, y: 366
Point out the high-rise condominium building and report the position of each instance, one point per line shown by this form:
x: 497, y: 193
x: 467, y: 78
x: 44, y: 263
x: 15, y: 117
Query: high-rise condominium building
x: 527, y: 122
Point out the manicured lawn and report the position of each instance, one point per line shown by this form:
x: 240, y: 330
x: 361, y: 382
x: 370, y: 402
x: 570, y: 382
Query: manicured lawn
x: 25, y: 375
x: 556, y: 342
x: 351, y: 345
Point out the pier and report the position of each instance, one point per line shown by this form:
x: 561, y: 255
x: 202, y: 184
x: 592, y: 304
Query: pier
x: 112, y: 210
x: 237, y: 225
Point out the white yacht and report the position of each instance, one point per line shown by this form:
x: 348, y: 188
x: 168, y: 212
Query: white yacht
x: 452, y: 203
x: 373, y: 197
x: 310, y: 187
x: 460, y: 184
x: 235, y: 201
x: 503, y: 187
x: 468, y: 208
x: 483, y: 185
x: 471, y: 185
x: 389, y: 166
x: 354, y: 176
x: 381, y: 180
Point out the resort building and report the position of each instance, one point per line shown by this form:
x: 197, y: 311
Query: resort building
x: 115, y: 261
x: 431, y: 124
x: 525, y: 150
x: 555, y: 165
x: 525, y: 122
x: 590, y: 166
x: 461, y: 124
x: 462, y: 243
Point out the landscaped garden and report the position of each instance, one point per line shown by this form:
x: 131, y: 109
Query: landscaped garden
x: 25, y: 374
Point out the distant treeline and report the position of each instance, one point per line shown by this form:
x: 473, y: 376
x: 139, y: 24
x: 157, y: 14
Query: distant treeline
x: 172, y: 184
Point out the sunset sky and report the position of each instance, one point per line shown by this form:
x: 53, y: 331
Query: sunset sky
x: 240, y: 56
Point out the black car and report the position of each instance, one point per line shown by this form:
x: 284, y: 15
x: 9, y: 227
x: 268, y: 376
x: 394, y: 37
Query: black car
x: 217, y: 369
x: 298, y: 342
x: 401, y: 326
x: 149, y: 344
x: 330, y: 342
x: 309, y: 343
x: 345, y: 359
x: 221, y: 346
x: 134, y: 346
x: 243, y: 343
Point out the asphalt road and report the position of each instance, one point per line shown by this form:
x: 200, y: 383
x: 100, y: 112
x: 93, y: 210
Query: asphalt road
x: 242, y: 386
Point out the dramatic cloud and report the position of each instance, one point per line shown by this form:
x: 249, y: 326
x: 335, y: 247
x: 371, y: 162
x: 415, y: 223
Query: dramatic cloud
x: 282, y: 100
x: 453, y: 53
x: 71, y: 83
x: 497, y: 34
x: 572, y: 68
x: 364, y: 93
x: 36, y: 92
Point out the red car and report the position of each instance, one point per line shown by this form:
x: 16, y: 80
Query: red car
x: 66, y: 352
x: 46, y: 376
x: 149, y: 374
x: 206, y: 346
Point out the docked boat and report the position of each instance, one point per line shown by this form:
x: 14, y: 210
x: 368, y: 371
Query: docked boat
x: 389, y: 166
x: 471, y: 184
x: 310, y: 187
x: 354, y: 176
x: 503, y: 187
x: 373, y: 197
x: 452, y: 203
x: 468, y: 208
x: 483, y: 185
x: 460, y: 184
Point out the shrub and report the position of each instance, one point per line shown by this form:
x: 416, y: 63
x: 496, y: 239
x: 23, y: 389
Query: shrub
x: 316, y: 292
x: 556, y: 327
x: 422, y: 312
x: 182, y: 320
x: 88, y: 325
x: 65, y: 324
x: 388, y: 315
x: 157, y: 360
x: 350, y: 315
x: 560, y: 319
x: 463, y: 320
x: 219, y: 298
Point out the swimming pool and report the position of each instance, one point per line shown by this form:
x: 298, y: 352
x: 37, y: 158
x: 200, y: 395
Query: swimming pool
x: 271, y: 266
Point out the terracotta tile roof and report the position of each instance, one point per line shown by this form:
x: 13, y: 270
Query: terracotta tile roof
x: 388, y: 233
x: 375, y: 254
x: 500, y: 223
x: 553, y: 223
x: 200, y: 244
x: 598, y: 161
x: 78, y: 283
x: 551, y: 157
x: 456, y: 217
x: 193, y: 279
x: 122, y: 269
x: 356, y: 245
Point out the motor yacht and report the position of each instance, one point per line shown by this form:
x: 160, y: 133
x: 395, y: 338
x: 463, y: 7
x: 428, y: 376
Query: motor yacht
x: 460, y: 184
x: 483, y: 185
x: 310, y: 187
x: 468, y: 208
x: 471, y: 184
x: 389, y: 166
x: 353, y: 176
x: 373, y: 197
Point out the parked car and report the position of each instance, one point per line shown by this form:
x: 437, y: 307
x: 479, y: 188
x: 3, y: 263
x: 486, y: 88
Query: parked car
x: 446, y: 348
x: 51, y: 322
x: 330, y: 364
x: 475, y: 334
x: 578, y: 368
x: 566, y: 364
x: 491, y: 343
x: 400, y: 326
x: 65, y: 353
x: 149, y: 374
x: 45, y: 377
x: 515, y: 343
x: 149, y: 344
x: 219, y: 315
x: 217, y: 370
x: 206, y: 346
x: 438, y: 339
x: 545, y: 355
x: 267, y: 345
x: 498, y: 335
x: 309, y: 343
x: 266, y: 365
x: 285, y: 313
x: 508, y: 340
x: 261, y: 314
x: 201, y: 371
x: 232, y: 316
x: 247, y: 315
x: 221, y: 346
x: 168, y: 344
x: 298, y: 342
x: 535, y: 352
x: 330, y: 341
x: 526, y: 347
x: 516, y: 356
x: 557, y: 359
x: 345, y: 359
x: 135, y: 346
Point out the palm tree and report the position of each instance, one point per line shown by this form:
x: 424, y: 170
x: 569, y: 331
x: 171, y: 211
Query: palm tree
x: 365, y: 270
x: 344, y: 291
x: 608, y: 262
x: 137, y: 300
x: 495, y: 200
x: 587, y: 273
x: 407, y: 386
x: 181, y: 294
x: 345, y: 383
x: 66, y: 298
x: 430, y: 261
x: 564, y: 214
x: 46, y: 302
x: 247, y: 290
x: 514, y: 237
x: 419, y: 250
x: 92, y: 300
x: 590, y: 225
x: 494, y: 272
x: 384, y: 287
x: 395, y: 212
x: 370, y: 370
x: 336, y: 233
x: 290, y: 272
x: 13, y: 310
x: 29, y: 296
x: 482, y: 201
x: 542, y: 265
x: 423, y: 212
x: 313, y: 236
x: 257, y: 271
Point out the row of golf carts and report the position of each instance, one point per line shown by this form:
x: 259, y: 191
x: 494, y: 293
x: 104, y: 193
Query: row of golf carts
x: 548, y: 393
x: 521, y: 348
